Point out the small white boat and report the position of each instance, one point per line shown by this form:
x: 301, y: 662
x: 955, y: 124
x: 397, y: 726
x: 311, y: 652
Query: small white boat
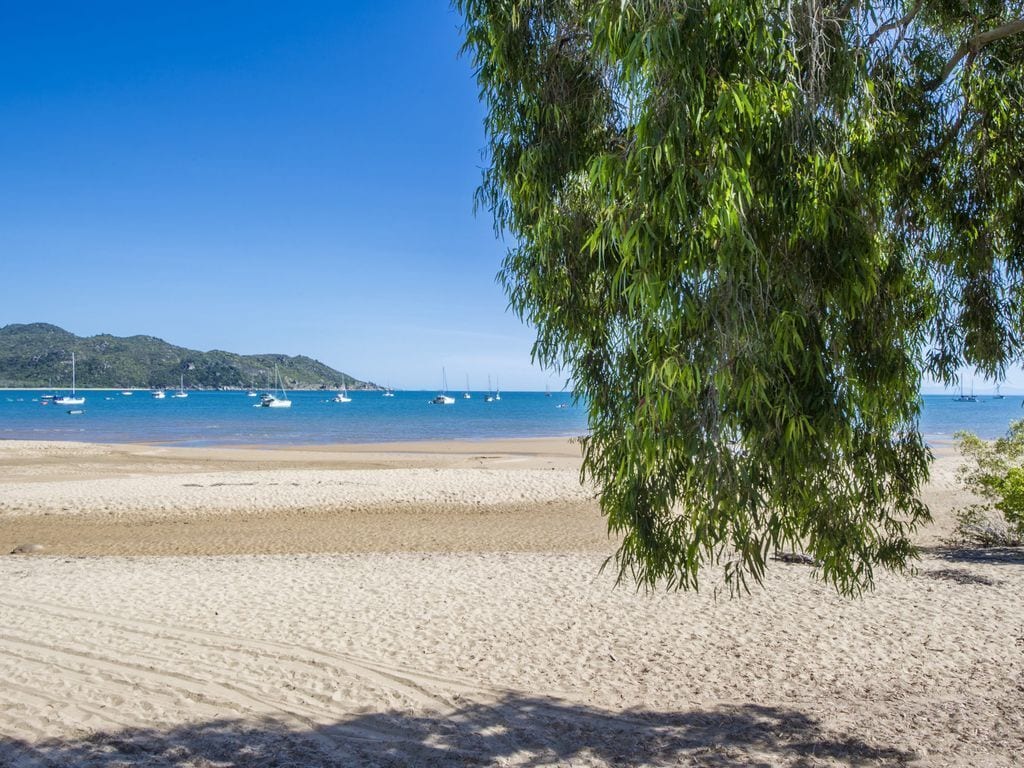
x: 269, y: 401
x: 389, y: 392
x: 497, y: 388
x: 489, y: 398
x: 159, y: 394
x: 250, y: 393
x: 442, y: 396
x: 342, y: 396
x: 71, y: 399
x: 466, y: 395
x: 76, y: 411
x: 181, y: 388
x: 127, y: 392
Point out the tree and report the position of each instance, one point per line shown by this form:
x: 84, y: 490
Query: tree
x: 746, y: 230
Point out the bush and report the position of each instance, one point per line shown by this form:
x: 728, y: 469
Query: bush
x: 995, y: 472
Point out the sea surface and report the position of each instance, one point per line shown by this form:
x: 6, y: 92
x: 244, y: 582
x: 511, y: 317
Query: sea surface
x: 232, y: 418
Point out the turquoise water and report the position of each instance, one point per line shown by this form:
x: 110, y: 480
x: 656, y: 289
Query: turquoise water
x: 229, y: 418
x: 988, y: 418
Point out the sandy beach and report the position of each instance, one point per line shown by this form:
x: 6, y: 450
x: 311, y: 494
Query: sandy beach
x: 444, y: 604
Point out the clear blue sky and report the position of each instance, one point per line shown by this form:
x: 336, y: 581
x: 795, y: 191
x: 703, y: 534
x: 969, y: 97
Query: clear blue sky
x: 256, y: 177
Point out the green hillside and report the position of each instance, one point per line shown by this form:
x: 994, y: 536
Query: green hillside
x: 39, y: 355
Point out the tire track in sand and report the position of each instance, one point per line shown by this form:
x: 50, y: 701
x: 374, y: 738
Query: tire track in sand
x: 418, y: 688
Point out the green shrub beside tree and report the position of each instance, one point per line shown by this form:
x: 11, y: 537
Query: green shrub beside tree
x: 995, y: 472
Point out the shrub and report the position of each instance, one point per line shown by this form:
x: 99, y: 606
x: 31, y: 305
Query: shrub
x: 995, y: 472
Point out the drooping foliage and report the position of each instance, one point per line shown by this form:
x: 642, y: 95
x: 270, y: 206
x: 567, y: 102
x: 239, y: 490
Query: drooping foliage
x: 746, y: 229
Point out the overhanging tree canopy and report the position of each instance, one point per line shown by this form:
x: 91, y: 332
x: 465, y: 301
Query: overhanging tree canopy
x: 747, y: 229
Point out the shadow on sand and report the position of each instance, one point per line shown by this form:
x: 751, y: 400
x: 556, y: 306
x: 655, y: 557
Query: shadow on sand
x: 983, y: 555
x: 516, y: 730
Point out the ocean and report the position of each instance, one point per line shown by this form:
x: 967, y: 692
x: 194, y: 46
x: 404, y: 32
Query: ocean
x: 230, y: 418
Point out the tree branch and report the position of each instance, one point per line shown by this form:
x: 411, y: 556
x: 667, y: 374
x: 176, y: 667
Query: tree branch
x: 971, y: 48
x: 846, y: 8
x: 897, y: 23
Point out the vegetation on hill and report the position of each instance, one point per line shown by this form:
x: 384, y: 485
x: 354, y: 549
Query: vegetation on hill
x: 39, y: 355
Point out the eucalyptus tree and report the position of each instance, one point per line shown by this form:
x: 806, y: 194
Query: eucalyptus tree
x: 747, y: 229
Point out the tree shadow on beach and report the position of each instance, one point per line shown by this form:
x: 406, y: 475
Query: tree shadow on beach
x: 982, y: 555
x: 516, y: 730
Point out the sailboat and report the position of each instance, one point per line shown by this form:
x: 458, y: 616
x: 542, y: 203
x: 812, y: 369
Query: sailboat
x: 388, y: 392
x: 442, y: 397
x: 489, y: 398
x: 71, y: 399
x: 342, y: 397
x: 181, y: 388
x: 466, y: 395
x: 497, y: 388
x: 998, y: 395
x: 966, y: 398
x: 269, y: 401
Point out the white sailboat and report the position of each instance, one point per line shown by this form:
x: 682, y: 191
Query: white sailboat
x: 442, y: 397
x: 388, y: 392
x: 269, y: 401
x: 966, y: 398
x: 159, y: 394
x: 497, y: 388
x: 181, y: 388
x: 466, y: 395
x: 71, y: 399
x: 489, y: 398
x: 342, y: 396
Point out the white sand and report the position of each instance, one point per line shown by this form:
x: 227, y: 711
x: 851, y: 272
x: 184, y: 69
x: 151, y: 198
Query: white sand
x: 484, y: 657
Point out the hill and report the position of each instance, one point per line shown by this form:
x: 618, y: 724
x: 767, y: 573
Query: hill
x: 39, y: 354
